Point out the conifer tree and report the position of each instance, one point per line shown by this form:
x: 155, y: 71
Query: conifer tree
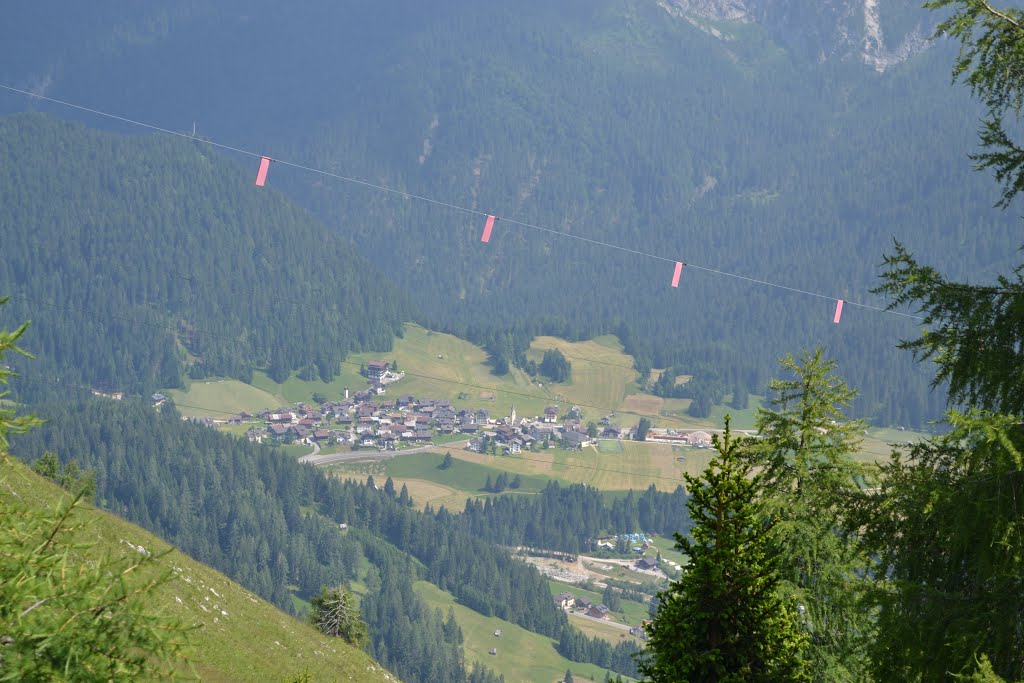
x: 947, y: 528
x: 946, y: 523
x: 804, y: 451
x: 724, y: 620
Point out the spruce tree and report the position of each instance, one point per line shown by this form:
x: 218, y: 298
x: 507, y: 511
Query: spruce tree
x: 724, y: 619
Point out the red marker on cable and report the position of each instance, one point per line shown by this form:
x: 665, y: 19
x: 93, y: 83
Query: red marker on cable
x: 679, y: 271
x: 488, y: 226
x: 261, y: 176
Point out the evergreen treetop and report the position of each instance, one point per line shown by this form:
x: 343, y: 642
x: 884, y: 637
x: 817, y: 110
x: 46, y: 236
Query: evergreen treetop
x: 724, y: 620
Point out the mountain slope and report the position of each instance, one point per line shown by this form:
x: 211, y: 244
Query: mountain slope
x: 129, y: 251
x: 615, y: 121
x: 239, y: 636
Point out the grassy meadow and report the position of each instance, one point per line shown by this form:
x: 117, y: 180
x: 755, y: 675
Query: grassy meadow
x: 523, y: 656
x: 221, y: 398
x: 239, y: 637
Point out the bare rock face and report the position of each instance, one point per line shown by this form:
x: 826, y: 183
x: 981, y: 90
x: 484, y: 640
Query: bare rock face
x: 879, y: 33
x: 715, y: 10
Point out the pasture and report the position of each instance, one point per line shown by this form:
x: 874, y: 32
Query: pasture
x: 604, y: 631
x: 601, y: 373
x: 427, y: 483
x: 637, y: 467
x: 219, y: 398
x: 523, y: 656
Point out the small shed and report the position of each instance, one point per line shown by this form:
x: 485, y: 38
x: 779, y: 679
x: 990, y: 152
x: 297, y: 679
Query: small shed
x: 494, y: 651
x: 498, y: 633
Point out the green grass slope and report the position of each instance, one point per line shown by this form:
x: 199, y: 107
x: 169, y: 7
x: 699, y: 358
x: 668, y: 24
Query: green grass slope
x: 239, y: 636
x: 522, y: 657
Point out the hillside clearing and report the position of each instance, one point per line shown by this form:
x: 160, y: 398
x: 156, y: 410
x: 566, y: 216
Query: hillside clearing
x: 220, y: 398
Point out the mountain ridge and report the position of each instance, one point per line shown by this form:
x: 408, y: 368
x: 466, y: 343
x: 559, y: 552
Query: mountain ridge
x: 854, y: 29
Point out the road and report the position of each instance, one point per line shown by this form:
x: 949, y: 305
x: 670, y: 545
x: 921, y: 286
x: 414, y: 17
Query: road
x: 335, y: 458
x: 628, y: 564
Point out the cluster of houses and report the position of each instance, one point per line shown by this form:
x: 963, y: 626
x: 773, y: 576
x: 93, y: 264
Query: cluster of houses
x: 361, y: 421
x: 367, y: 420
x: 584, y: 605
x: 637, y: 542
x: 567, y: 602
x: 513, y: 434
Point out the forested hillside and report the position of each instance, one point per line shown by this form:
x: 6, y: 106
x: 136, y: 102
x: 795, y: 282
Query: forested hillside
x: 139, y: 257
x: 615, y: 121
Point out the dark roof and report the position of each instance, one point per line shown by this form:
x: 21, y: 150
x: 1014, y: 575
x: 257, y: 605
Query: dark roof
x: 575, y: 437
x: 647, y: 563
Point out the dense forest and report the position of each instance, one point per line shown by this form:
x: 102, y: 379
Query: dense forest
x: 615, y: 122
x: 572, y: 518
x: 141, y: 258
x: 272, y: 525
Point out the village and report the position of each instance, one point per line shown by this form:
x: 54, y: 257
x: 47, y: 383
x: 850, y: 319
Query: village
x: 365, y: 420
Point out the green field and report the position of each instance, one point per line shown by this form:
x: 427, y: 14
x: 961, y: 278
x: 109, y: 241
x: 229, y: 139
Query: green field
x: 427, y: 483
x: 645, y: 582
x: 523, y: 656
x: 604, y: 631
x: 666, y: 546
x: 637, y: 467
x: 220, y: 398
x: 602, y: 374
x: 239, y: 637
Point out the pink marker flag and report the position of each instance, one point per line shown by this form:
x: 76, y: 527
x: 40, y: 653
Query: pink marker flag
x: 675, y: 275
x: 261, y: 176
x: 839, y: 311
x: 488, y: 226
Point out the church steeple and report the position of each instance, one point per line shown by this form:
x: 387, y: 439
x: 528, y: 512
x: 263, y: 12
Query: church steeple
x: 512, y: 419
